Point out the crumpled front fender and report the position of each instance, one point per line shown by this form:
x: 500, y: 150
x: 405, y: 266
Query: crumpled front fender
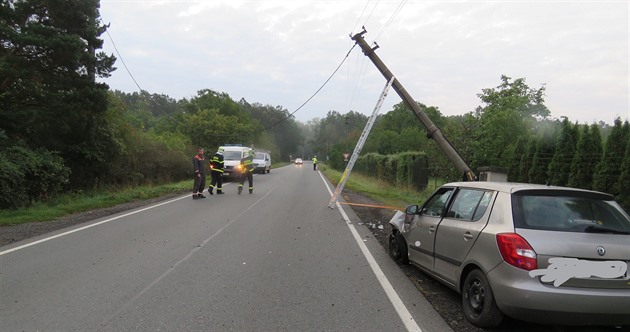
x: 398, y: 221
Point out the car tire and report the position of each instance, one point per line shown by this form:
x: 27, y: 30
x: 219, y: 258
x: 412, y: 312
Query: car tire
x: 478, y: 302
x: 398, y: 248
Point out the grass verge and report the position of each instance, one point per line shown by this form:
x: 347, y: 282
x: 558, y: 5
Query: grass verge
x: 378, y: 190
x: 67, y: 204
x: 80, y: 202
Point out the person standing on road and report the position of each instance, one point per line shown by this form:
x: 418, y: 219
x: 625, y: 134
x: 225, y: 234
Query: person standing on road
x: 247, y: 167
x: 217, y: 166
x: 314, y: 163
x: 200, y: 174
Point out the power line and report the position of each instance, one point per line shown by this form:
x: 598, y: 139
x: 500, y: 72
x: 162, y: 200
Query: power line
x: 316, y: 92
x: 391, y: 18
x: 120, y: 56
x: 360, y: 16
x: 264, y: 129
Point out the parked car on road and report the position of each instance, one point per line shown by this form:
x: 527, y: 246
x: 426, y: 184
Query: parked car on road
x: 550, y: 255
x: 262, y: 162
x: 232, y: 155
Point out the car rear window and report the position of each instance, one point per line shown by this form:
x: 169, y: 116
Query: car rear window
x: 569, y: 211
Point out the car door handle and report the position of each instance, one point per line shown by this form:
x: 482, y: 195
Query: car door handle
x: 468, y: 236
x: 432, y: 229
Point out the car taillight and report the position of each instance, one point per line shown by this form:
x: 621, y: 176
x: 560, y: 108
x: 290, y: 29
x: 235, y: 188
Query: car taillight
x: 516, y: 251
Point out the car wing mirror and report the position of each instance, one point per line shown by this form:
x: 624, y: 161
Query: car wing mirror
x: 411, y: 209
x: 410, y: 213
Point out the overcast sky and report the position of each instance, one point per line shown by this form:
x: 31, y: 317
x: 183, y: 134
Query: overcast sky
x: 444, y: 53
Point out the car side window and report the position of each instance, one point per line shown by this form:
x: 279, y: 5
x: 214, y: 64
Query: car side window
x: 483, y: 205
x: 469, y: 204
x: 436, y: 204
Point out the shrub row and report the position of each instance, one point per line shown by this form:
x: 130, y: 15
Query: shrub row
x: 410, y: 169
x: 28, y: 175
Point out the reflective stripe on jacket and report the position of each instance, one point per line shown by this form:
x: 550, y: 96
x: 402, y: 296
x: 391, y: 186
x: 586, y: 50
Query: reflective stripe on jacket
x: 217, y: 163
x: 247, y: 163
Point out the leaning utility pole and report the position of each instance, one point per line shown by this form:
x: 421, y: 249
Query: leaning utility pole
x: 432, y: 130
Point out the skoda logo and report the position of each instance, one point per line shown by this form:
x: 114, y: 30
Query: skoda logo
x: 601, y: 250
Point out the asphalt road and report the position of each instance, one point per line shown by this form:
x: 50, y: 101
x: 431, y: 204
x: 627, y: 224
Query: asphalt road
x: 275, y: 260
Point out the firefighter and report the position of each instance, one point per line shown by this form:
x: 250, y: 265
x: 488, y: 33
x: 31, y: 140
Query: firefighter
x: 199, y: 166
x: 247, y: 168
x: 217, y: 166
x: 314, y: 163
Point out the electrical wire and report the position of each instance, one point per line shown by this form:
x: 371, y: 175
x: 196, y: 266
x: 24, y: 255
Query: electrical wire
x: 265, y: 128
x: 120, y: 56
x: 316, y: 92
x: 360, y: 16
x: 391, y: 18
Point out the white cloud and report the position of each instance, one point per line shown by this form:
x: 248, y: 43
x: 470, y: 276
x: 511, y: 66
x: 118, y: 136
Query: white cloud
x: 444, y: 52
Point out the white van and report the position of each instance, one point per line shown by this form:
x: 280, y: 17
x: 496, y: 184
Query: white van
x: 232, y: 155
x: 262, y: 162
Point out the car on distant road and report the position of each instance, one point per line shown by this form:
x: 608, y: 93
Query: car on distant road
x: 548, y: 255
x: 298, y: 161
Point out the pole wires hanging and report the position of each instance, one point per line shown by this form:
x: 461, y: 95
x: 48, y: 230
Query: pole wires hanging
x: 391, y: 18
x: 316, y: 92
x: 120, y: 57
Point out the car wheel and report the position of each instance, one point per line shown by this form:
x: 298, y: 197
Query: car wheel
x: 480, y: 308
x: 398, y: 248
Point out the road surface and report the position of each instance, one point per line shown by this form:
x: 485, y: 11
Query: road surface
x: 276, y: 260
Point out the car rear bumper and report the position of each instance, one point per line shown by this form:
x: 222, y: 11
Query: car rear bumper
x: 523, y: 297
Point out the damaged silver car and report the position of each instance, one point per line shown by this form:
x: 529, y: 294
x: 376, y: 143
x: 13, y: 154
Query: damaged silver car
x: 549, y: 255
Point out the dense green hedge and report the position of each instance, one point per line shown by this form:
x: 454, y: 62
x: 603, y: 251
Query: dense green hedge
x: 409, y: 169
x: 29, y: 175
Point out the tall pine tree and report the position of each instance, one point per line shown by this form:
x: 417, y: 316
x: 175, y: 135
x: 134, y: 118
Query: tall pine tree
x: 560, y: 166
x: 527, y: 159
x: 622, y: 187
x: 49, y: 97
x: 545, y: 149
x: 608, y: 169
x: 515, y: 164
x: 587, y: 156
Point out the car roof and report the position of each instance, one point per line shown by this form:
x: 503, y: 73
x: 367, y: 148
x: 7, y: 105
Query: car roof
x: 512, y: 187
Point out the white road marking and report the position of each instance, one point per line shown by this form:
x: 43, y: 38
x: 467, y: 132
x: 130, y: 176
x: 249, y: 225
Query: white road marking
x: 89, y: 226
x: 399, y: 306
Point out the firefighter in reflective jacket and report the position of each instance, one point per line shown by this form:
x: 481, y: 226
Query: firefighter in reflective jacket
x: 247, y: 168
x: 217, y: 166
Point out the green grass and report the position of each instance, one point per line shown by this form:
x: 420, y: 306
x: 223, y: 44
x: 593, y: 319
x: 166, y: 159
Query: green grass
x: 386, y: 193
x: 80, y: 202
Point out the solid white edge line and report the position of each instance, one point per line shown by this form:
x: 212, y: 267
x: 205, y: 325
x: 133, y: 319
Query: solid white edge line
x: 89, y: 226
x: 399, y: 306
